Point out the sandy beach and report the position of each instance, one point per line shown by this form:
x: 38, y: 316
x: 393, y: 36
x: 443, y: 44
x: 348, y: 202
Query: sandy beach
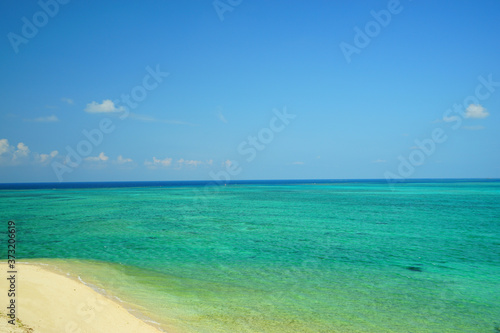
x: 49, y: 302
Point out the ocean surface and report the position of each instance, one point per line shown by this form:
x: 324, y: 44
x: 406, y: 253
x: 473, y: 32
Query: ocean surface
x: 287, y: 256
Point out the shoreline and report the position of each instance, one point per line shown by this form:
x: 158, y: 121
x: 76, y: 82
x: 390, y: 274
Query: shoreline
x: 47, y: 301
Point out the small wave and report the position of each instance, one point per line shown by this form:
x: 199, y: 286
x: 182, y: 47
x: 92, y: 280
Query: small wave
x: 118, y: 298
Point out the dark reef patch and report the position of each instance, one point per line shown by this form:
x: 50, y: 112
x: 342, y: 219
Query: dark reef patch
x: 414, y: 268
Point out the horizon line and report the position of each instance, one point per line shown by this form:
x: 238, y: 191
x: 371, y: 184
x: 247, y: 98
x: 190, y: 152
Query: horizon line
x: 13, y: 185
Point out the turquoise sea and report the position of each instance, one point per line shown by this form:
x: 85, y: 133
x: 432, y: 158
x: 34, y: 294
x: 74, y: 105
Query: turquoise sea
x: 275, y: 257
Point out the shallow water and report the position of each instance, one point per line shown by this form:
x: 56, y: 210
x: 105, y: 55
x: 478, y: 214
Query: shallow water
x: 420, y: 257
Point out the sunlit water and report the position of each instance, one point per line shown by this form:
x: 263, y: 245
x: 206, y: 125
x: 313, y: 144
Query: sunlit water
x: 361, y: 257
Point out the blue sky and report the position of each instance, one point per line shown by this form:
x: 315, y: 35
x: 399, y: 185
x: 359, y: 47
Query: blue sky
x: 249, y: 90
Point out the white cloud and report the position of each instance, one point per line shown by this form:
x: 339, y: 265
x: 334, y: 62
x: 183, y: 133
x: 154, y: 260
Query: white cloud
x: 476, y: 111
x: 101, y: 157
x: 67, y: 100
x: 4, y: 146
x: 298, y: 163
x: 379, y: 161
x: 450, y: 119
x: 156, y: 163
x: 221, y: 117
x: 107, y: 106
x: 121, y: 160
x: 10, y: 155
x: 21, y: 154
x: 22, y: 151
x: 191, y: 163
x: 47, y: 119
x: 178, y: 164
x: 45, y: 158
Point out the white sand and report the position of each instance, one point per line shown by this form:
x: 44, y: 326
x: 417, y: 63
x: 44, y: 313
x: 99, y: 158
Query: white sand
x: 49, y: 302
